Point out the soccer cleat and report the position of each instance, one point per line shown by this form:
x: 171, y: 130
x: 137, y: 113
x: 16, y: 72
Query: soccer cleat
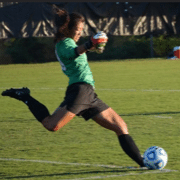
x: 16, y: 93
x: 143, y: 166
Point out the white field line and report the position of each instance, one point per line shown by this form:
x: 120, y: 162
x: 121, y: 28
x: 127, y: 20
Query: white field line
x: 94, y: 165
x: 73, y: 164
x: 126, y: 174
x: 163, y: 117
x: 106, y: 89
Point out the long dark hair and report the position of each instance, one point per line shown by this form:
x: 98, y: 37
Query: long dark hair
x: 65, y: 22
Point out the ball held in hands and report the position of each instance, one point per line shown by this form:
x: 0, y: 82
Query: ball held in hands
x: 100, y: 37
x: 99, y: 40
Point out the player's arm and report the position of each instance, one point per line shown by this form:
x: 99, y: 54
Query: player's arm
x: 96, y: 42
x: 82, y: 49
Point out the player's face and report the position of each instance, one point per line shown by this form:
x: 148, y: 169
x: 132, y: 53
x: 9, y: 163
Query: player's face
x: 77, y: 31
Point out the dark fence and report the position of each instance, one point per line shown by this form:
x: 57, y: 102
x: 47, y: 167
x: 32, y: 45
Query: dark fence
x: 35, y: 19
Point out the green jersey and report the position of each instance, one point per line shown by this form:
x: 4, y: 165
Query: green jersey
x: 76, y: 68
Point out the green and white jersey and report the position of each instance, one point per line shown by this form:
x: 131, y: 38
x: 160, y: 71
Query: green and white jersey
x: 76, y: 68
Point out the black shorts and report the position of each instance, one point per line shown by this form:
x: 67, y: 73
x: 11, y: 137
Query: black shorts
x: 81, y: 100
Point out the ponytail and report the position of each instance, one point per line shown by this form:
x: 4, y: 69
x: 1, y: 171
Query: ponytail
x: 61, y: 21
x: 64, y: 22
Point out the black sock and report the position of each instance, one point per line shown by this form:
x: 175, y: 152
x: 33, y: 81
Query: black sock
x: 130, y: 148
x: 38, y: 110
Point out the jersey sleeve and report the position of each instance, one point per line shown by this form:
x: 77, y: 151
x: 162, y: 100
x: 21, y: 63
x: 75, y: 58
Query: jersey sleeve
x: 69, y: 49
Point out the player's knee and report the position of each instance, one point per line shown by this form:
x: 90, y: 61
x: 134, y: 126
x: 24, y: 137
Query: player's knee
x: 121, y: 132
x: 121, y: 129
x: 53, y: 129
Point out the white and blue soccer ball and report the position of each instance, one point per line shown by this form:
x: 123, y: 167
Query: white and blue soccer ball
x: 155, y: 158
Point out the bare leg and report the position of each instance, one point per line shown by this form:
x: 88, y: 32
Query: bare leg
x: 58, y: 119
x: 109, y: 119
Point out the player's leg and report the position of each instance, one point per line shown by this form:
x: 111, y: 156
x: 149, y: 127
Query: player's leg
x: 109, y: 119
x: 58, y: 119
x: 51, y: 122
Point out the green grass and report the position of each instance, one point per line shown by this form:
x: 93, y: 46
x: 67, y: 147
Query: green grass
x: 131, y: 87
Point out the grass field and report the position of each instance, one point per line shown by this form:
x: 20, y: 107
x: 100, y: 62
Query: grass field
x: 144, y: 92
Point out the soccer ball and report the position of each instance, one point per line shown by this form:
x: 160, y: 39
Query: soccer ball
x: 155, y: 158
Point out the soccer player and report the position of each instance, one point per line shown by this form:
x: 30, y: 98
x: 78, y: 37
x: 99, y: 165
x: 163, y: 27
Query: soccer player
x: 80, y: 98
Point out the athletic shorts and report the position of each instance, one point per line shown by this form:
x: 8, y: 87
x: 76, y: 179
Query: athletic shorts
x: 81, y: 100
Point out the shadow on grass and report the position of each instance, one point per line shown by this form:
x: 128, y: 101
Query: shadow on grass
x: 150, y: 113
x: 130, y: 114
x: 75, y: 173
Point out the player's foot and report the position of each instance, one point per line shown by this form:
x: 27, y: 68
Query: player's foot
x: 143, y: 165
x: 16, y: 93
